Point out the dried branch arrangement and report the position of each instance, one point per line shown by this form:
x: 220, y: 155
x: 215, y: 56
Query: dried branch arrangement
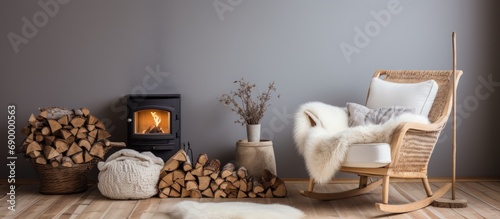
x: 250, y: 111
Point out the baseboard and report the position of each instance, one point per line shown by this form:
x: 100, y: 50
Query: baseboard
x: 436, y: 180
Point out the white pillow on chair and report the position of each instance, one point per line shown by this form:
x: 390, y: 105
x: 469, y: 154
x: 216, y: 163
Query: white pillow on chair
x: 419, y: 96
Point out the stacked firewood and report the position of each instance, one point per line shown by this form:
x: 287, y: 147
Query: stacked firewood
x: 205, y: 178
x: 58, y: 136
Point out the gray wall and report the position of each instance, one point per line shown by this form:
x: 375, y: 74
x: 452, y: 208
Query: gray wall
x: 93, y: 53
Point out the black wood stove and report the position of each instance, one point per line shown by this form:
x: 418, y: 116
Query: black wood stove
x: 154, y: 123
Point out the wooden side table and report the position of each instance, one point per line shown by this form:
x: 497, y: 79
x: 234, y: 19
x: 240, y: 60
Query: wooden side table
x: 256, y: 156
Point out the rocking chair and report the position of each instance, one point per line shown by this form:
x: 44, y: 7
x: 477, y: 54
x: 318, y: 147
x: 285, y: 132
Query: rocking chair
x: 410, y: 148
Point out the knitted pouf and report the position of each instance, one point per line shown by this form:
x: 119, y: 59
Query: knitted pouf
x: 128, y: 174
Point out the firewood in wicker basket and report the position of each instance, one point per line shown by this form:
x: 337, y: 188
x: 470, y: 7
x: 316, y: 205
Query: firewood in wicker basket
x: 58, y: 133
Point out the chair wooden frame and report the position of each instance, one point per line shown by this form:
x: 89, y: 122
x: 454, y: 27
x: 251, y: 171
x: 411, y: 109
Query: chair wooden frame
x: 411, y: 146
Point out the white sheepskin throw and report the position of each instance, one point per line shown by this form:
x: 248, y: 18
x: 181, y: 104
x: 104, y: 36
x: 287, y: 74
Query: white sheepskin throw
x: 322, y: 136
x: 231, y: 210
x: 128, y: 174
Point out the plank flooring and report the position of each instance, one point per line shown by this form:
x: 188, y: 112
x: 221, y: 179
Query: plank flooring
x: 483, y: 199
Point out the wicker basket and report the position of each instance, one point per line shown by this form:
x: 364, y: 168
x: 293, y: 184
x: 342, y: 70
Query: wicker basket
x: 63, y: 180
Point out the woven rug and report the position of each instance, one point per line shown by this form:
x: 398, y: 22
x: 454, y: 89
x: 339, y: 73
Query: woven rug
x: 230, y: 210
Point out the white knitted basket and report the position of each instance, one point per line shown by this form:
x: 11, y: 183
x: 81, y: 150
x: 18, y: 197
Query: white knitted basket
x: 128, y: 174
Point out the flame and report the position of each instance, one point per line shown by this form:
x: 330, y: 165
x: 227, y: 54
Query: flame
x: 156, y: 118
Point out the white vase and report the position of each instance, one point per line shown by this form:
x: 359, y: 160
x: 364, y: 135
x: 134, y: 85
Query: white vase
x: 253, y: 133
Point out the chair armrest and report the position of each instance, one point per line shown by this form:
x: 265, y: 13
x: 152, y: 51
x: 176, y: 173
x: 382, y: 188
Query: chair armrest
x: 404, y: 127
x: 409, y: 130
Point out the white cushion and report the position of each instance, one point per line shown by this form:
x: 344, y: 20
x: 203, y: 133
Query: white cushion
x: 371, y: 155
x: 419, y: 96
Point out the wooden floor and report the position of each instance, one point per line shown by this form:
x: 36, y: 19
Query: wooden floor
x: 483, y: 199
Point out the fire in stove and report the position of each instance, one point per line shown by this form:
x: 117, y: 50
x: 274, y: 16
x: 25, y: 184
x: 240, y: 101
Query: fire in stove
x: 152, y: 122
x: 154, y: 128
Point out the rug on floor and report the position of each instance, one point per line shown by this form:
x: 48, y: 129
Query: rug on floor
x: 231, y: 210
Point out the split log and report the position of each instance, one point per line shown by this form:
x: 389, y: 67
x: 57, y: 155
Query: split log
x: 195, y: 194
x: 180, y: 156
x: 279, y: 189
x: 233, y: 177
x: 181, y: 182
x: 242, y: 173
x: 87, y: 157
x: 171, y: 165
x: 32, y: 120
x: 85, y: 111
x: 198, y: 171
x: 84, y: 143
x: 203, y: 182
x: 176, y: 187
x: 211, y: 167
x: 219, y: 194
x: 166, y: 180
x: 214, y: 175
x: 65, y: 134
x: 102, y: 134
x: 100, y: 125
x: 243, y: 185
x: 189, y: 177
x: 34, y: 154
x: 77, y: 122
x: 82, y: 133
x: 202, y: 160
x: 174, y: 193
x: 90, y: 127
x: 97, y: 150
x: 41, y: 160
x: 49, y: 152
x: 61, y: 146
x: 191, y: 185
x: 78, y: 158
x: 67, y: 162
x: 63, y: 120
x: 178, y: 174
x: 257, y: 187
x: 185, y: 193
x: 92, y: 120
x: 33, y: 146
x: 39, y: 137
x: 208, y: 193
x: 49, y: 139
x: 45, y: 131
x: 242, y: 194
x: 227, y: 170
x: 219, y: 181
x: 165, y: 192
x: 269, y: 193
x: 213, y: 186
x: 54, y: 125
x: 56, y: 160
x: 187, y: 166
